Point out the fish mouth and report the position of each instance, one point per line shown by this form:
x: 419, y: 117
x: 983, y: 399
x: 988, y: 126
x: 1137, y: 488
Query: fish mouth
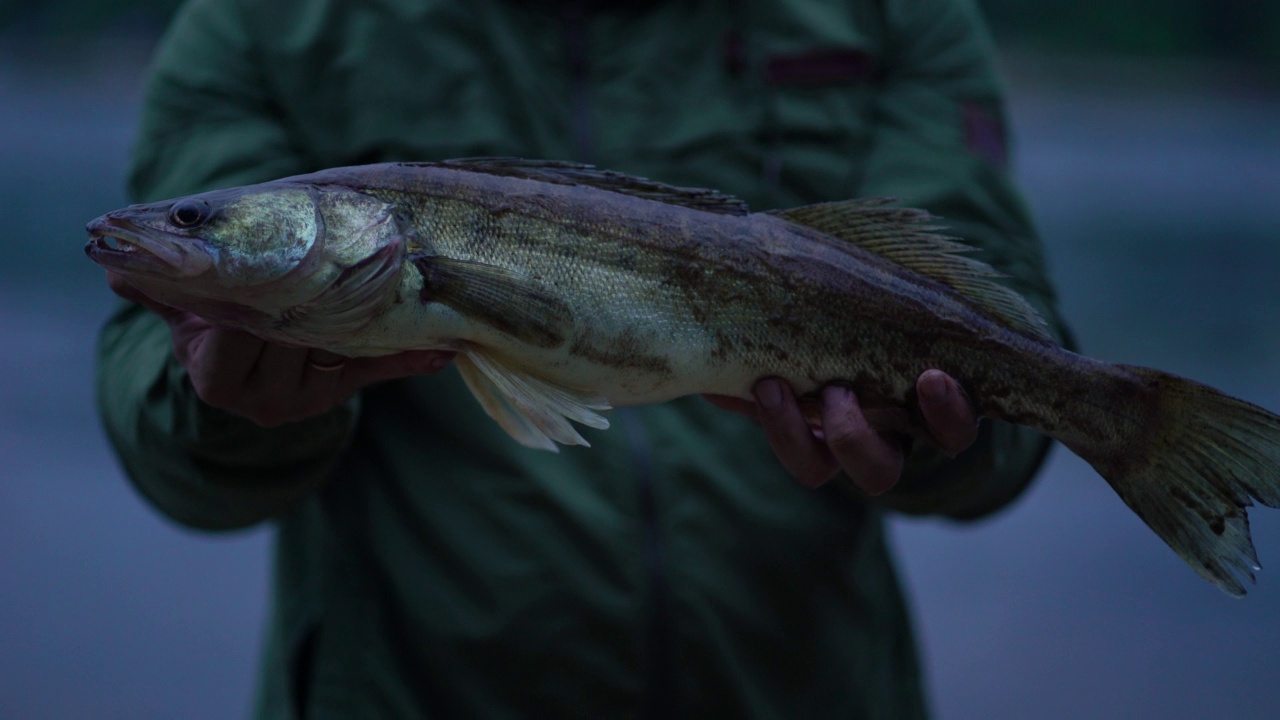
x: 119, y: 244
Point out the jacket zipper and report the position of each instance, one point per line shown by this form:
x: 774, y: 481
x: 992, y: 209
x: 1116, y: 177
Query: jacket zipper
x: 575, y: 42
x: 659, y: 700
x: 659, y: 643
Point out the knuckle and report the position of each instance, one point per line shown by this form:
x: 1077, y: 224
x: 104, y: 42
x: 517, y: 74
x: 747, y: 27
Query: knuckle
x: 268, y: 417
x: 274, y: 412
x: 814, y: 477
x: 262, y: 410
x: 120, y: 287
x: 213, y: 393
x: 959, y: 439
x: 844, y: 437
x: 878, y: 473
x: 804, y: 464
x: 882, y: 474
x: 315, y: 406
x: 810, y: 466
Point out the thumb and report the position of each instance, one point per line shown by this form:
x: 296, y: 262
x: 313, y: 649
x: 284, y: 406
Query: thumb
x: 361, y: 372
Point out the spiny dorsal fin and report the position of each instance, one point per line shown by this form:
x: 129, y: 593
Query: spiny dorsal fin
x: 907, y: 237
x: 567, y: 173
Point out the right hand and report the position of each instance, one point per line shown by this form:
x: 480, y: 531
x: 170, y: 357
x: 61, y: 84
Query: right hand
x: 268, y: 383
x: 857, y: 441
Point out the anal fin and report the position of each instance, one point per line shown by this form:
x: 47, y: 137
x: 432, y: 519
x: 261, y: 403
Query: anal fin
x: 533, y: 411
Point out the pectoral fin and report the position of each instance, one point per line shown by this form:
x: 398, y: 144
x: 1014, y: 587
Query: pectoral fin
x: 534, y: 411
x: 497, y: 296
x: 349, y: 303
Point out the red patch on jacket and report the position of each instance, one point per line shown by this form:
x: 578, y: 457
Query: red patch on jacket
x: 984, y: 133
x: 821, y: 67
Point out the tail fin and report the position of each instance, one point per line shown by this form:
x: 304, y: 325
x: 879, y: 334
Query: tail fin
x: 1207, y: 458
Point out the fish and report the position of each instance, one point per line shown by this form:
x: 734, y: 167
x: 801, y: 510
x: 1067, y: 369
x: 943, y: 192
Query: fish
x: 567, y: 290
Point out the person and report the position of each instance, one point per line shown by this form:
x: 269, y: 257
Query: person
x: 428, y: 566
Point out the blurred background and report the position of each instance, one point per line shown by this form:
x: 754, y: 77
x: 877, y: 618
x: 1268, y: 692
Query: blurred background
x: 1148, y: 142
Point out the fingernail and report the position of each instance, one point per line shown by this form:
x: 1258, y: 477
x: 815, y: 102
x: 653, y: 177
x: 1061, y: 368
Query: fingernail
x: 769, y: 393
x: 934, y: 388
x: 833, y: 394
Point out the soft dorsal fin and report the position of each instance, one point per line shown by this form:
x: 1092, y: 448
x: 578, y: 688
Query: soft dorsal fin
x: 567, y: 173
x: 908, y: 237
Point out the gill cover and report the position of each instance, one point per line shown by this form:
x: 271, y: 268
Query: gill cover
x: 256, y: 238
x: 353, y: 267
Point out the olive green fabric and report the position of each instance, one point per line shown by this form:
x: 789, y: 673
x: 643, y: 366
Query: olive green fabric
x: 426, y: 565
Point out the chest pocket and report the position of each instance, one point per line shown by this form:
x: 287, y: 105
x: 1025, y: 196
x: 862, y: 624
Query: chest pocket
x: 426, y: 80
x: 816, y: 124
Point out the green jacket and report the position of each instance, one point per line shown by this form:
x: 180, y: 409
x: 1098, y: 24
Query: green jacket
x: 426, y: 565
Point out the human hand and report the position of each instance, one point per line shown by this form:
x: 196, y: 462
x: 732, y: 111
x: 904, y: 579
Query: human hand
x: 851, y: 439
x: 268, y: 383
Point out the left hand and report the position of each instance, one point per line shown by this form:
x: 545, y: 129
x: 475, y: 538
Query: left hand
x: 847, y: 440
x: 268, y: 383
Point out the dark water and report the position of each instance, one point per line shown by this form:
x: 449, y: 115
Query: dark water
x: 1161, y: 208
x: 106, y: 611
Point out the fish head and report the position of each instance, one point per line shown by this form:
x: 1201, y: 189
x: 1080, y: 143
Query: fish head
x: 295, y: 263
x: 212, y: 243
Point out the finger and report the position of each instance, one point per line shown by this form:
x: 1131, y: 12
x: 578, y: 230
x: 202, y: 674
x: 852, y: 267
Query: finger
x: 120, y: 286
x: 362, y: 372
x: 866, y: 456
x: 321, y: 379
x: 946, y: 411
x: 189, y: 333
x: 323, y: 361
x: 273, y: 392
x: 218, y: 362
x: 278, y: 371
x: 746, y: 408
x: 318, y: 389
x: 803, y: 455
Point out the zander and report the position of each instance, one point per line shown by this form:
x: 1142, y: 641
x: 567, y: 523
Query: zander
x: 567, y: 290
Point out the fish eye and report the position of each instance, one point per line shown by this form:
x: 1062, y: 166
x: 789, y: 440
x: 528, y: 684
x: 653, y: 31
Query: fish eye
x: 189, y: 213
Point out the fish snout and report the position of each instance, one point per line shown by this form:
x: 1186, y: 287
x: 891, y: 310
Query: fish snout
x: 105, y: 237
x: 98, y: 226
x: 118, y: 243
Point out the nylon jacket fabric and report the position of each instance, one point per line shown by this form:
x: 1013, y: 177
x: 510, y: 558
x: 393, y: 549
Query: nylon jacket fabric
x: 426, y: 565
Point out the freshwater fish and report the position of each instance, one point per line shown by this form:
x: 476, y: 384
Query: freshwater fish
x: 567, y: 290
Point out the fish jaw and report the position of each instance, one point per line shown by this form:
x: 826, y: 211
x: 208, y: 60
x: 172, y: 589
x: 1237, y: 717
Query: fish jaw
x: 120, y: 245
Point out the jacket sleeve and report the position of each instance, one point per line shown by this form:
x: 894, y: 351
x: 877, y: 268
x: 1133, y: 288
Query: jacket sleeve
x: 939, y: 143
x: 207, y: 122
